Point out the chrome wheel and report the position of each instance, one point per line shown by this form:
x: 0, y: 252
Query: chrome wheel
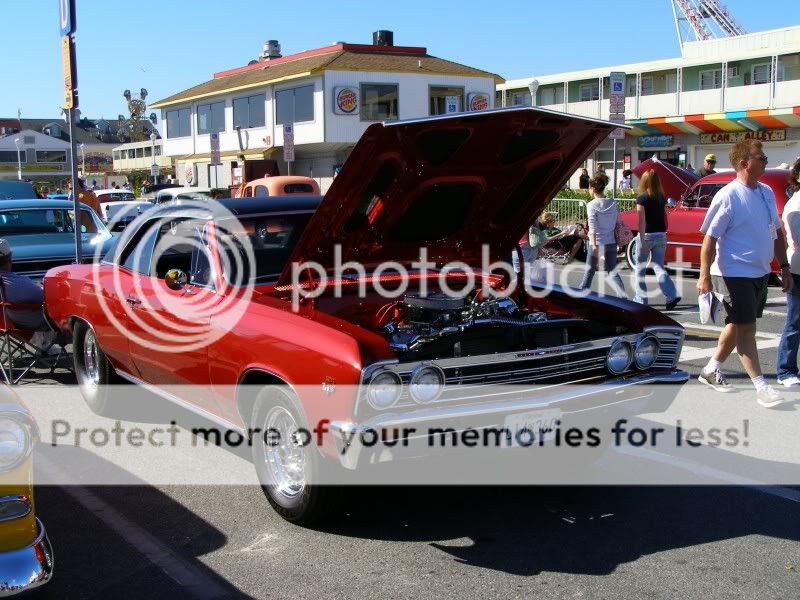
x: 91, y: 369
x: 284, y: 453
x: 632, y: 254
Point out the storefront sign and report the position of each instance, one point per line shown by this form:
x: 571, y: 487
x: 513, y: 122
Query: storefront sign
x: 656, y: 141
x: 70, y: 72
x: 478, y: 101
x: 731, y: 137
x: 66, y: 17
x: 345, y: 101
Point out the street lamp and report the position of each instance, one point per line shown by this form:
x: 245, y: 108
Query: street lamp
x: 154, y: 167
x: 83, y: 160
x: 18, y: 143
x: 532, y: 87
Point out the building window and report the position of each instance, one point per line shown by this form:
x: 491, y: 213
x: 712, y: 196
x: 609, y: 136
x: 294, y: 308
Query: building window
x: 604, y: 161
x: 551, y: 95
x: 295, y: 105
x: 158, y: 150
x: 589, y: 91
x: 444, y: 100
x: 630, y: 87
x: 762, y: 73
x: 520, y: 99
x: 647, y: 86
x: 379, y: 101
x: 249, y: 111
x: 51, y: 156
x: 179, y: 122
x: 148, y: 151
x: 53, y: 131
x: 210, y: 118
x: 10, y: 156
x: 711, y: 79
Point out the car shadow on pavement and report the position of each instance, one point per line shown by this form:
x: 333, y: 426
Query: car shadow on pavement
x: 580, y: 530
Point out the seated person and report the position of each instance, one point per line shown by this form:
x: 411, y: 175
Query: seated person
x: 20, y: 289
x: 565, y: 245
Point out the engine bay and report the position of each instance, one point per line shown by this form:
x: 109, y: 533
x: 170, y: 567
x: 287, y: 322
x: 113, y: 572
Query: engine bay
x: 440, y: 326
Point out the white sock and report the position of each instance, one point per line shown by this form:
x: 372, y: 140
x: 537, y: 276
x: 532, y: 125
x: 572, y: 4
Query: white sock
x: 713, y: 365
x: 759, y: 382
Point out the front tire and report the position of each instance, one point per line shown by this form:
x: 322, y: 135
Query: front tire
x: 92, y: 369
x: 286, y: 467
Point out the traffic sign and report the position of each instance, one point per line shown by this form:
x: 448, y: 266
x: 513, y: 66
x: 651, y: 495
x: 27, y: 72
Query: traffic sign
x: 617, y: 92
x: 288, y: 143
x: 215, y: 158
x: 66, y: 17
x: 154, y: 170
x: 619, y: 132
x: 70, y: 72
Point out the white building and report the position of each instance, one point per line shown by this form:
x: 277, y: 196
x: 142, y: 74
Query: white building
x: 331, y: 95
x: 138, y: 156
x: 684, y: 108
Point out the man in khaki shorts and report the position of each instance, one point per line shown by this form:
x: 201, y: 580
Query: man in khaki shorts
x: 742, y: 235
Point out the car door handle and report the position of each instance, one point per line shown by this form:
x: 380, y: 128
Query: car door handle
x: 133, y: 300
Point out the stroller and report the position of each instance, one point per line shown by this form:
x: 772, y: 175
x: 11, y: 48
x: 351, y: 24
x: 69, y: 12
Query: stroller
x: 563, y: 247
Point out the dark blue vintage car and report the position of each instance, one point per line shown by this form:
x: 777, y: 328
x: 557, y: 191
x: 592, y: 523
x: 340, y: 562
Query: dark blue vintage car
x: 41, y: 234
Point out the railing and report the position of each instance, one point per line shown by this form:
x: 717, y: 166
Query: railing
x: 569, y: 211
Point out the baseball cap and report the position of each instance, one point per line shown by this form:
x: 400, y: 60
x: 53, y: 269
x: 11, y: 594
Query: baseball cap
x: 711, y: 158
x: 5, y: 249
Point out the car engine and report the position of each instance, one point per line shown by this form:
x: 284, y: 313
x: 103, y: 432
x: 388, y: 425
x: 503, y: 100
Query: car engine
x: 438, y: 326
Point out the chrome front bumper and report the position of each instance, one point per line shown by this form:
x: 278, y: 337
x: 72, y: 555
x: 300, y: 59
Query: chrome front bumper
x: 27, y: 568
x: 615, y: 393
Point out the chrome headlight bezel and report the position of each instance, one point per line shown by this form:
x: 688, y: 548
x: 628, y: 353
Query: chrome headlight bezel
x: 417, y: 374
x: 16, y: 440
x: 377, y: 380
x: 613, y: 359
x: 647, y: 339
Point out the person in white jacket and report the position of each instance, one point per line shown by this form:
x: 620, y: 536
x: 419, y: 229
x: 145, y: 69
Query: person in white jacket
x: 602, y: 216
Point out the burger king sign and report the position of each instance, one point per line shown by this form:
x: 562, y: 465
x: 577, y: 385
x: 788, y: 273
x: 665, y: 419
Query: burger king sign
x: 478, y: 101
x: 345, y: 101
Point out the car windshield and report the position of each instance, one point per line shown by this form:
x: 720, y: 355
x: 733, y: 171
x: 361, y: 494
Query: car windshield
x: 115, y: 197
x: 702, y: 195
x: 193, y: 196
x: 272, y: 239
x: 47, y: 220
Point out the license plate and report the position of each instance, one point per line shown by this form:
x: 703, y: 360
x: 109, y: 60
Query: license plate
x: 529, y: 428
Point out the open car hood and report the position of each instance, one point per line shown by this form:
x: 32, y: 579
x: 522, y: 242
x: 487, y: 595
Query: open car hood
x: 674, y: 180
x: 449, y: 184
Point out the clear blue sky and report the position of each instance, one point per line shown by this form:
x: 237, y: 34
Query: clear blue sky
x: 169, y: 45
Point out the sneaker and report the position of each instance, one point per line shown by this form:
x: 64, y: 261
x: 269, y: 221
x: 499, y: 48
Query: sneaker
x: 673, y: 303
x: 791, y: 381
x: 768, y: 397
x: 716, y: 381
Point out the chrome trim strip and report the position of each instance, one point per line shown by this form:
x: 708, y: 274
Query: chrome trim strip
x: 692, y: 244
x: 184, y: 404
x: 27, y: 568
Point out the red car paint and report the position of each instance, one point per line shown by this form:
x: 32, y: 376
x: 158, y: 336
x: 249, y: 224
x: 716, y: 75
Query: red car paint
x: 684, y: 238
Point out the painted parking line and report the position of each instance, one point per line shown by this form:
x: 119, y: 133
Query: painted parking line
x: 195, y: 583
x: 764, y: 341
x: 705, y: 471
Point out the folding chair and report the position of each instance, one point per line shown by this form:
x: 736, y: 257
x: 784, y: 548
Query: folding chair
x: 18, y: 354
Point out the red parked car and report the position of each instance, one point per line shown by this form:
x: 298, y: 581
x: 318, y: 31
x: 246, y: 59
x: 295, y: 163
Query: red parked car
x: 372, y: 363
x: 684, y: 239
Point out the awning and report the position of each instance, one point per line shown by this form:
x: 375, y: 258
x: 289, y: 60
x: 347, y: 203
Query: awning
x: 741, y: 120
x: 250, y: 154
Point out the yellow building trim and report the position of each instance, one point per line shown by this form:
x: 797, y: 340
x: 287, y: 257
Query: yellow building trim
x: 249, y: 86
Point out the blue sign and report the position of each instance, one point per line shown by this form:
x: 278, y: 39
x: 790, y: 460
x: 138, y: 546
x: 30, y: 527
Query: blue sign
x: 66, y: 17
x: 656, y: 141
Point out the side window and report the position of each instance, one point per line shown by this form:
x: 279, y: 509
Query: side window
x: 261, y: 191
x: 248, y: 191
x: 180, y: 244
x: 137, y: 255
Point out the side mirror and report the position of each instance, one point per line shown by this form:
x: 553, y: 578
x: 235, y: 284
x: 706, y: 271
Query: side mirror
x: 176, y: 279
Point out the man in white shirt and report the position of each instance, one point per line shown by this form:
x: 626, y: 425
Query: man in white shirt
x: 742, y: 234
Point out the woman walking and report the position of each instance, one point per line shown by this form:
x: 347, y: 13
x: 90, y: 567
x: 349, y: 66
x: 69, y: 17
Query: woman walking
x: 790, y: 340
x: 602, y: 216
x: 652, y: 208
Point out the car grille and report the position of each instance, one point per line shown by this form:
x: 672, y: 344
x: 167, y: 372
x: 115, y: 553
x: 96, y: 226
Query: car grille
x: 670, y: 343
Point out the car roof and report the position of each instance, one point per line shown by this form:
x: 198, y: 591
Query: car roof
x: 113, y: 191
x: 37, y: 203
x: 728, y: 176
x: 243, y: 207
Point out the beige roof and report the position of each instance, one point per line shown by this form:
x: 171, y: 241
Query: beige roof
x: 337, y: 60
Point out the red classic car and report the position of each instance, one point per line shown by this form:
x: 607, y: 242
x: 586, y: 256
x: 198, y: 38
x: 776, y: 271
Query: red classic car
x: 683, y: 229
x: 362, y: 362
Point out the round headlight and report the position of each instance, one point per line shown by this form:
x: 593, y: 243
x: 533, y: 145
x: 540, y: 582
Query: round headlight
x: 427, y: 383
x: 619, y: 357
x: 384, y: 390
x: 646, y: 352
x: 15, y: 443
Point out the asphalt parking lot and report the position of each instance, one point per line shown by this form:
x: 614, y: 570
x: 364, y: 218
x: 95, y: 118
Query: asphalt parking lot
x: 192, y: 541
